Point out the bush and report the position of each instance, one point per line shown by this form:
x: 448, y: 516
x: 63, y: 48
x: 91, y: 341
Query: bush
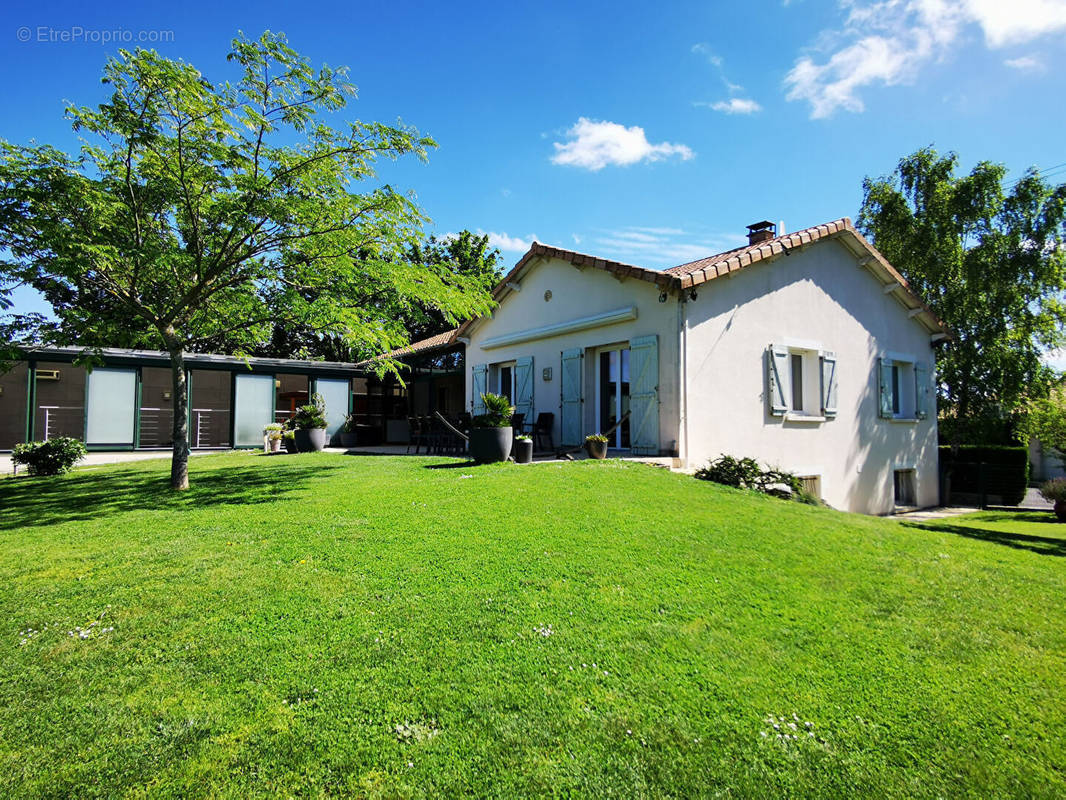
x: 987, y: 470
x: 351, y: 423
x: 1054, y: 490
x: 53, y: 457
x: 312, y: 415
x: 745, y: 473
x: 595, y: 437
x: 498, y: 411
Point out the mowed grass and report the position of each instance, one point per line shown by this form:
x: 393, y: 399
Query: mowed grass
x: 329, y: 625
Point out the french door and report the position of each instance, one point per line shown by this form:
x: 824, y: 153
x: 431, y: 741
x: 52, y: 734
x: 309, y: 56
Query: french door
x: 612, y: 394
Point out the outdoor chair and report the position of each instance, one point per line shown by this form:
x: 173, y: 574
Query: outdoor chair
x: 518, y: 423
x: 415, y: 438
x: 542, y: 430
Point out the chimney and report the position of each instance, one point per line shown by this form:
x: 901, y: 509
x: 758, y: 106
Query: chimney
x: 761, y: 231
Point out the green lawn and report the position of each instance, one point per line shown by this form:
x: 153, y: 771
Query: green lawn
x: 331, y: 625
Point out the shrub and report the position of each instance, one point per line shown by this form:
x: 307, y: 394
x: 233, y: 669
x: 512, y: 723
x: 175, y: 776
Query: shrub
x: 1054, y: 490
x: 745, y: 473
x: 312, y: 415
x: 595, y: 437
x: 498, y: 411
x: 987, y: 470
x: 350, y: 424
x: 523, y: 438
x: 273, y: 427
x: 53, y: 457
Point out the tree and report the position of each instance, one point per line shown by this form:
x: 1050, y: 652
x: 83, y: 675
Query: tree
x: 989, y: 259
x: 1045, y: 421
x: 202, y: 213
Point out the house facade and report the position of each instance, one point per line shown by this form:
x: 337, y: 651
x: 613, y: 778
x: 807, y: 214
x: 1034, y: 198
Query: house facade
x: 807, y: 351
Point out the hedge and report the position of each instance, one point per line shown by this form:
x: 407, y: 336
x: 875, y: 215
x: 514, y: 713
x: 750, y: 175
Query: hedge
x: 987, y: 470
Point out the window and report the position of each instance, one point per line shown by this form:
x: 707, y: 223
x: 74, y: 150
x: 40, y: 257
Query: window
x: 797, y: 381
x: 802, y: 382
x: 812, y: 485
x: 900, y: 388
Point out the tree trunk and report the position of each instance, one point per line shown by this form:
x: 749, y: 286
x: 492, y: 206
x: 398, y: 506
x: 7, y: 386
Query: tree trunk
x: 179, y: 462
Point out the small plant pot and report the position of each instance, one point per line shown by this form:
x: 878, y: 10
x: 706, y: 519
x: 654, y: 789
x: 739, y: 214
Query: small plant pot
x: 523, y: 452
x: 488, y: 445
x: 347, y: 438
x: 289, y: 444
x: 275, y: 445
x: 596, y: 449
x: 1060, y: 510
x: 310, y: 440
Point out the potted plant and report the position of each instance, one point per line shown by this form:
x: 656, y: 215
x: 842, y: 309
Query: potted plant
x: 523, y: 449
x: 491, y: 435
x: 309, y: 423
x: 1054, y: 491
x: 288, y: 439
x: 596, y: 445
x: 347, y: 434
x: 272, y: 437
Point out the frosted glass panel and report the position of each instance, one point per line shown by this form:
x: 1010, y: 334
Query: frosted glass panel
x: 253, y: 407
x: 110, y: 409
x: 335, y: 392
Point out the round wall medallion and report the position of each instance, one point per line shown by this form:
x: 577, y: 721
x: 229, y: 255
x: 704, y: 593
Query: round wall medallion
x: 547, y: 295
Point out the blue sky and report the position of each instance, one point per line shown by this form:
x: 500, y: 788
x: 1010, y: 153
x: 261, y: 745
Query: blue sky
x: 647, y: 133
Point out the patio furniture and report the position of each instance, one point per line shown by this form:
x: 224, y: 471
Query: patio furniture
x: 518, y: 423
x: 542, y: 430
x: 414, y: 426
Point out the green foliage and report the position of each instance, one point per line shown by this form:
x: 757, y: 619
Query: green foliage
x: 351, y: 422
x: 595, y: 437
x: 418, y: 600
x: 312, y: 415
x: 987, y: 469
x: 200, y: 215
x: 53, y: 457
x: 498, y: 411
x: 273, y: 426
x: 745, y: 473
x: 1045, y: 420
x: 522, y: 437
x: 1054, y: 490
x: 988, y: 258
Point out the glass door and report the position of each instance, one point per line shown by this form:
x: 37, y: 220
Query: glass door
x: 612, y: 394
x: 335, y: 392
x: 111, y: 401
x: 253, y: 408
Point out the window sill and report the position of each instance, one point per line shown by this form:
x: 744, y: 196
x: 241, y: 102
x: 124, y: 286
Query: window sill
x: 904, y: 420
x: 793, y: 416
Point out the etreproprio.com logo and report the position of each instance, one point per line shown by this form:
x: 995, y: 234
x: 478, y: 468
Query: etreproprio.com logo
x: 76, y: 34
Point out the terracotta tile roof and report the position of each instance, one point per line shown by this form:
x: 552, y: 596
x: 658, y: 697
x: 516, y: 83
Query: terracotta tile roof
x: 694, y: 273
x: 439, y: 341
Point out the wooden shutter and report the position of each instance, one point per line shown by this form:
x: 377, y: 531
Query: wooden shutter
x: 884, y: 394
x: 570, y: 383
x: 776, y: 369
x: 829, y: 384
x: 523, y: 386
x: 479, y: 375
x: 921, y: 391
x: 644, y: 395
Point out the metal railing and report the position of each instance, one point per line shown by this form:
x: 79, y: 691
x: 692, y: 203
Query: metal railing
x: 59, y: 418
x: 206, y: 425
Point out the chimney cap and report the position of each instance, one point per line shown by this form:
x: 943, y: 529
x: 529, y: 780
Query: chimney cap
x: 761, y: 226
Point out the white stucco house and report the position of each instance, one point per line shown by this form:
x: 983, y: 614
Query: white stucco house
x: 807, y: 351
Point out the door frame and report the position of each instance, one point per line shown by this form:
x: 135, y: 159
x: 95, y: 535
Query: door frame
x: 615, y: 442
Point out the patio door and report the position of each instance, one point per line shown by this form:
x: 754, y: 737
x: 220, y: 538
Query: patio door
x: 253, y: 408
x: 335, y: 394
x: 612, y: 394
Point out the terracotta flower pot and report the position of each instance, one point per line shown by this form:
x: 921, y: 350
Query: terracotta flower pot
x: 595, y: 449
x: 488, y: 445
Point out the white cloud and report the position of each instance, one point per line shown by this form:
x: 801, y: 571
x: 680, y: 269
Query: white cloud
x: 509, y: 244
x: 1025, y: 63
x: 888, y: 42
x: 662, y: 247
x: 704, y: 49
x: 734, y: 105
x: 594, y: 145
x: 1056, y: 358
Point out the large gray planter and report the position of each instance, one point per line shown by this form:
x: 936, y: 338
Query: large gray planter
x: 310, y: 440
x: 490, y: 444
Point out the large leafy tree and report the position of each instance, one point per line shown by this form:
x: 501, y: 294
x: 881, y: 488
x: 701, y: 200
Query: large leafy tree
x: 199, y: 213
x: 989, y: 258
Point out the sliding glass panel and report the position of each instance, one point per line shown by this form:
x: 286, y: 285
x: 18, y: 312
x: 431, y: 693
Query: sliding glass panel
x: 157, y: 408
x: 209, y: 411
x: 60, y: 401
x: 254, y: 408
x: 335, y: 393
x: 110, y: 410
x: 291, y: 394
x: 13, y: 397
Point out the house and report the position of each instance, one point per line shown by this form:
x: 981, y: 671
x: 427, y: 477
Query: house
x: 807, y: 351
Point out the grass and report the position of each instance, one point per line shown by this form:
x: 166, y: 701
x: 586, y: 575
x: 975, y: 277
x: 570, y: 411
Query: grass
x: 326, y: 625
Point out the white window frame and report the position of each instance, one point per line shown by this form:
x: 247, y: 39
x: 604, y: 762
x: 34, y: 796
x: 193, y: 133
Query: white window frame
x: 811, y: 354
x: 904, y: 366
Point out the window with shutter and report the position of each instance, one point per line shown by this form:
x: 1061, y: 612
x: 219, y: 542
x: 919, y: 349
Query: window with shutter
x: 644, y: 395
x: 570, y: 387
x: 523, y: 387
x: 776, y: 374
x: 479, y: 380
x: 921, y: 391
x: 829, y: 384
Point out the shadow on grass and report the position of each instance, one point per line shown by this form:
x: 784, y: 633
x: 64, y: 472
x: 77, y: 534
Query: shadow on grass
x: 1042, y: 545
x: 78, y: 496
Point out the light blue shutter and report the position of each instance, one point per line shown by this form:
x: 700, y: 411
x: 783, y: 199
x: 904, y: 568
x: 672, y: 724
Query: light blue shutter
x: 921, y: 391
x: 523, y: 384
x: 776, y: 367
x: 570, y: 424
x: 479, y: 375
x: 644, y: 395
x: 884, y: 394
x: 829, y: 384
